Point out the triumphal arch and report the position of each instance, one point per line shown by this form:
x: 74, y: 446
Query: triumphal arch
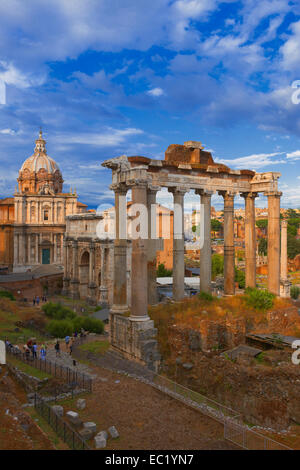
x: 185, y: 167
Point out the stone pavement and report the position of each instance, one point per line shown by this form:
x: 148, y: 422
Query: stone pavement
x: 67, y: 361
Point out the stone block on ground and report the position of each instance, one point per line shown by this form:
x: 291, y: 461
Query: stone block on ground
x: 113, y: 432
x: 86, y: 434
x: 103, y: 434
x: 58, y: 410
x: 81, y: 404
x: 74, y: 418
x: 100, y: 441
x: 90, y: 426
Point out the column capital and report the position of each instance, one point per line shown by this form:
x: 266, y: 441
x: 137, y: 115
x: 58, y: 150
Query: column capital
x: 153, y: 189
x: 284, y: 223
x: 178, y: 190
x: 204, y: 192
x: 227, y: 194
x: 273, y: 194
x: 250, y: 195
x: 121, y: 188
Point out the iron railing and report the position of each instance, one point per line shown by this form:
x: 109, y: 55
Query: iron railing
x: 61, y: 427
x: 68, y: 375
x: 234, y: 429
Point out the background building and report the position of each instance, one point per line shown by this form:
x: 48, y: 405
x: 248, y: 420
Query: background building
x: 32, y: 223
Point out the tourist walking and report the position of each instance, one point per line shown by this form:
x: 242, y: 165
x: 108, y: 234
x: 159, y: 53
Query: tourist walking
x: 57, y: 348
x: 37, y: 300
x: 34, y: 351
x: 43, y: 352
x: 71, y: 347
x: 67, y: 340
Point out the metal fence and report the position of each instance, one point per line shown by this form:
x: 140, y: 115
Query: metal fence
x: 249, y: 439
x: 61, y: 428
x: 68, y: 375
x: 194, y: 399
x: 234, y: 429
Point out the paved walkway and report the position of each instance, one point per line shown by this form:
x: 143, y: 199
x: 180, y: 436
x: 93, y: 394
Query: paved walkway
x: 66, y: 360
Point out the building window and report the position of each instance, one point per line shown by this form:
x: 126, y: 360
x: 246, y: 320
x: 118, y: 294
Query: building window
x: 46, y: 215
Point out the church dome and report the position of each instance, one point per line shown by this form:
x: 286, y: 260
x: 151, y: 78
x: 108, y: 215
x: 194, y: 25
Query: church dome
x: 40, y: 171
x: 40, y: 159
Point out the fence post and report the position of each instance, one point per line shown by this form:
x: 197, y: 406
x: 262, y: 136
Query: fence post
x: 64, y: 432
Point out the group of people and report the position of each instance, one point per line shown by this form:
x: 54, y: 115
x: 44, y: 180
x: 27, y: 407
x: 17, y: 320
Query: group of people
x: 36, y: 299
x: 31, y: 348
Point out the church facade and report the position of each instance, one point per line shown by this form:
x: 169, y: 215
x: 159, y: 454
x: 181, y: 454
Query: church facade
x: 33, y: 222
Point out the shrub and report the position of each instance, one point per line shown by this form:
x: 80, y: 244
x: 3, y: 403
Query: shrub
x: 58, y: 311
x: 260, y: 299
x: 93, y: 325
x: 162, y: 271
x: 295, y: 292
x: 240, y: 278
x: 205, y: 296
x: 217, y: 265
x: 7, y: 294
x: 60, y: 328
x: 78, y: 323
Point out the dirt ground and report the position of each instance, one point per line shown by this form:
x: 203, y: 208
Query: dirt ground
x: 18, y: 431
x: 146, y: 418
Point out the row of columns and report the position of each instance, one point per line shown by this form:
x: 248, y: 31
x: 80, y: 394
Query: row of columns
x: 143, y: 271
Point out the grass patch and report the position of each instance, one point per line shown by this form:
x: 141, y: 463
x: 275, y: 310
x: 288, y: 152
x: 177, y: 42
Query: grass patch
x: 96, y: 347
x: 58, y: 443
x: 27, y: 368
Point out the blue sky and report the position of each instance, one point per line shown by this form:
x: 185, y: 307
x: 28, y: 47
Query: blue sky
x: 111, y: 77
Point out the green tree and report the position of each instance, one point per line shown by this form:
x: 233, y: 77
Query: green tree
x: 262, y: 224
x: 215, y: 225
x: 263, y: 246
x: 240, y: 278
x: 293, y: 246
x: 217, y: 265
x: 162, y: 271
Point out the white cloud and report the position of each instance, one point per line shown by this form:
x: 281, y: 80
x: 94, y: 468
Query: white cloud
x: 11, y: 75
x: 7, y: 131
x: 254, y: 161
x: 109, y: 138
x: 291, y: 49
x: 293, y: 155
x: 155, y: 92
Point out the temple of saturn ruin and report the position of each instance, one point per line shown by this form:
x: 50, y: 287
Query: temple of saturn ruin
x: 186, y: 167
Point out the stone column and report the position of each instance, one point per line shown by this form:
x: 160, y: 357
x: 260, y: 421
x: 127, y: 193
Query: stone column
x: 120, y: 251
x: 274, y: 242
x: 103, y: 288
x: 139, y: 257
x: 285, y: 284
x: 36, y: 248
x: 152, y: 245
x: 178, y: 243
x: 75, y: 278
x: 16, y: 249
x: 29, y: 248
x: 229, y: 274
x: 66, y: 278
x: 22, y: 249
x: 55, y: 248
x: 250, y: 239
x: 205, y: 250
x: 92, y: 285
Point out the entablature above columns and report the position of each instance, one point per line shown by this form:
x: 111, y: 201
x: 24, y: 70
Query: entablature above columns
x: 132, y: 171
